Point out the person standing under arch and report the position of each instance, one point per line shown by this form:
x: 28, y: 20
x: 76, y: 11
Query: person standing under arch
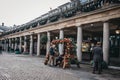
x: 97, y: 58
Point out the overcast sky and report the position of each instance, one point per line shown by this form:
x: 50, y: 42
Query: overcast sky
x: 21, y: 11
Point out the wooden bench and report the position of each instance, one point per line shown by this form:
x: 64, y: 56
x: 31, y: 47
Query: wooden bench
x: 66, y: 61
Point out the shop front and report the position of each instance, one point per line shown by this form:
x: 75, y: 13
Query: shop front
x: 115, y: 50
x: 94, y: 33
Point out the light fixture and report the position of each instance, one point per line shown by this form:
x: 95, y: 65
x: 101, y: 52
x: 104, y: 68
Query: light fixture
x: 56, y: 37
x: 117, y: 31
x: 92, y: 25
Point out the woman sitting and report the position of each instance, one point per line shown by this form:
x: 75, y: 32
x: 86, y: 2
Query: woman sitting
x: 59, y: 59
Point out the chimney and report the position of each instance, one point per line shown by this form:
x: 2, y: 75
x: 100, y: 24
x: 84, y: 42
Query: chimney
x: 2, y: 24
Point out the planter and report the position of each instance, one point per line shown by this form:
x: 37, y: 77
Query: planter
x: 17, y: 52
x: 34, y: 25
x: 54, y: 18
x: 11, y: 50
x: 69, y: 13
x: 42, y: 22
x: 104, y: 64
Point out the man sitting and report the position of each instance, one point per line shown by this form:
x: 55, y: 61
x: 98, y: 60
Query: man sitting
x: 59, y: 59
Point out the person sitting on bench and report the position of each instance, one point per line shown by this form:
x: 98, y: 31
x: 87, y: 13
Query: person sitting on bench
x: 59, y: 59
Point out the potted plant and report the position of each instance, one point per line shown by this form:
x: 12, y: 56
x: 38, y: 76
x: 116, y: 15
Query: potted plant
x: 43, y: 39
x: 54, y: 18
x: 43, y: 21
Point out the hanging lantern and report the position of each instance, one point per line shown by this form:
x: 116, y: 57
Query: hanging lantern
x: 117, y: 31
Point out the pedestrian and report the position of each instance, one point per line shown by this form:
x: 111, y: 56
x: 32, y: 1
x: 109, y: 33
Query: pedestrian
x: 91, y: 50
x: 46, y: 59
x: 0, y: 49
x: 52, y: 54
x: 97, y: 58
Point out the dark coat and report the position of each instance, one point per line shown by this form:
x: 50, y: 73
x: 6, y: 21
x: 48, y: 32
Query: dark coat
x: 52, y: 51
x: 97, y: 54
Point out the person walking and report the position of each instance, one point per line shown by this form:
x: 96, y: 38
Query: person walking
x: 52, y: 54
x: 97, y: 58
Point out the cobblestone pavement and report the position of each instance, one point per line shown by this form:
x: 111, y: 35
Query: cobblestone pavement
x: 25, y: 67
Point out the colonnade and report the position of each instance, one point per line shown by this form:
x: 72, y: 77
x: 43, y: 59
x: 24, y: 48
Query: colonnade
x: 61, y: 46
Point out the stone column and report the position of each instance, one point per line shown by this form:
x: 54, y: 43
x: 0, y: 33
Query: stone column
x: 61, y: 46
x: 105, y: 41
x: 38, y: 24
x: 12, y: 43
x: 9, y: 42
x: 79, y: 43
x: 25, y: 44
x: 5, y: 46
x: 31, y: 44
x: 15, y: 43
x: 20, y: 45
x: 38, y: 44
x: 48, y: 42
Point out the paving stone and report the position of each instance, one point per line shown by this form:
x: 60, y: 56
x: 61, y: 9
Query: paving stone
x: 25, y: 67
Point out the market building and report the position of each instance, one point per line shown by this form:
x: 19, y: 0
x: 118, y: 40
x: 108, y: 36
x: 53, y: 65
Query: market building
x: 87, y: 23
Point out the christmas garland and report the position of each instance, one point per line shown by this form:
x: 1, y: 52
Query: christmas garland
x: 65, y: 40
